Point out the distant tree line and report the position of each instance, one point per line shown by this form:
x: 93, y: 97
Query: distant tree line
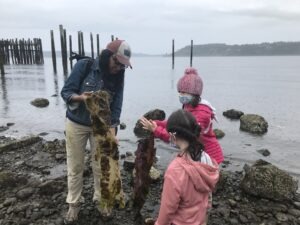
x: 263, y: 49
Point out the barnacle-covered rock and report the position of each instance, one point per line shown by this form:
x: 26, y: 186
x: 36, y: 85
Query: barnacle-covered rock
x: 267, y: 181
x: 40, y: 102
x: 254, y: 124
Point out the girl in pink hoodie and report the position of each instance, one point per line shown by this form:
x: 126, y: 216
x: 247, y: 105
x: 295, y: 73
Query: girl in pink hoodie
x: 189, y: 178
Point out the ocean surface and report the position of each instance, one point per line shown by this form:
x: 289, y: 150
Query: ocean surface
x: 267, y: 86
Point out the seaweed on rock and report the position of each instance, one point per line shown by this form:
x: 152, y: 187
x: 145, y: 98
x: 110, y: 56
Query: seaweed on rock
x: 145, y: 155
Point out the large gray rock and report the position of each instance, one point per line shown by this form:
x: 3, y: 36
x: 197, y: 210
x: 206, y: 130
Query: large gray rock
x: 254, y: 124
x: 40, y: 102
x: 267, y: 181
x: 155, y: 114
x: 233, y: 114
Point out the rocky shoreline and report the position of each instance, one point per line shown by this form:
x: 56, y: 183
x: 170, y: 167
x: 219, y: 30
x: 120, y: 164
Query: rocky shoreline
x: 33, y: 191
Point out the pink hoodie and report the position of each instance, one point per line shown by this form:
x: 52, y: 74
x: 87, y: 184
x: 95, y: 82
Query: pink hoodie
x: 187, y: 185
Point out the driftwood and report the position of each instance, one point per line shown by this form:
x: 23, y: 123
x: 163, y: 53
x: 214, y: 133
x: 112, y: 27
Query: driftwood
x: 107, y: 153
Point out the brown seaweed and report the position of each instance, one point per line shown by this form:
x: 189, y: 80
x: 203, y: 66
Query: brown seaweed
x: 145, y: 156
x: 107, y: 153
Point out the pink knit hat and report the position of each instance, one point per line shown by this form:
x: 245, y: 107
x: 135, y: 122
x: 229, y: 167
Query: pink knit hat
x: 190, y: 82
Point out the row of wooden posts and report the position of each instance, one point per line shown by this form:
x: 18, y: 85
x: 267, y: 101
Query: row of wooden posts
x: 28, y: 52
x: 14, y: 51
x: 64, y: 51
x: 81, y: 51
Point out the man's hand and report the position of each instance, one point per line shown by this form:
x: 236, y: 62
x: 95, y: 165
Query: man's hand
x: 112, y: 130
x: 85, y: 95
x: 82, y: 97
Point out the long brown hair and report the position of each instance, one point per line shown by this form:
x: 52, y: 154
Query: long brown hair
x: 195, y: 100
x: 185, y: 127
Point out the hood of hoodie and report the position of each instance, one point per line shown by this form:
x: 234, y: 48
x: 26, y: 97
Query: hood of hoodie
x: 203, y: 176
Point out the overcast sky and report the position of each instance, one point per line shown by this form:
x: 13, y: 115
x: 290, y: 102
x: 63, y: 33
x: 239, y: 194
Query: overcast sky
x: 150, y: 25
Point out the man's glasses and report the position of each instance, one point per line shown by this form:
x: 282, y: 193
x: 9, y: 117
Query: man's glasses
x: 116, y: 61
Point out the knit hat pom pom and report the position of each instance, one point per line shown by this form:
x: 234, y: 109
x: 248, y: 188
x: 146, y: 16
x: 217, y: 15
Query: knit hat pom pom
x: 190, y: 71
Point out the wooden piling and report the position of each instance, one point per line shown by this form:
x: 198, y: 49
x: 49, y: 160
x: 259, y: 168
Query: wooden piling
x: 41, y: 50
x: 82, y: 44
x: 30, y: 52
x: 2, y: 62
x: 98, y: 45
x: 79, y: 43
x: 191, y: 57
x: 6, y: 52
x: 173, y: 53
x: 70, y: 52
x: 63, y: 49
x: 65, y: 45
x: 22, y: 52
x: 11, y: 51
x: 17, y: 52
x: 53, y: 53
x: 92, y: 45
x: 112, y: 38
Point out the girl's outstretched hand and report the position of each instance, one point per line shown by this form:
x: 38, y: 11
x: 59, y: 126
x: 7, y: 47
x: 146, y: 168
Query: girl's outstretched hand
x: 148, y: 124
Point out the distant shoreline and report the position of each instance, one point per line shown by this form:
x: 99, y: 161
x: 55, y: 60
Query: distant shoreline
x: 58, y: 55
x: 263, y: 49
x: 221, y: 49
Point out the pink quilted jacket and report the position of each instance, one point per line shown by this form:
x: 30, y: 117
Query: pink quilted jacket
x: 204, y: 116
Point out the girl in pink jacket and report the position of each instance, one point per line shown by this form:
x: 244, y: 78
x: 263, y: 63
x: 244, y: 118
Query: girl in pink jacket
x: 190, y: 87
x: 189, y: 178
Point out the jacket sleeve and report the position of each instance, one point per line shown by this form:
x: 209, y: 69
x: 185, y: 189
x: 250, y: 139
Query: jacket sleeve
x: 170, y: 199
x: 161, y: 131
x: 116, y: 106
x: 73, y: 83
x: 204, y: 119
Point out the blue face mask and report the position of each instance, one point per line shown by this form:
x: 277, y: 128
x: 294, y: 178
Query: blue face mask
x: 173, y: 140
x: 173, y: 145
x: 185, y: 99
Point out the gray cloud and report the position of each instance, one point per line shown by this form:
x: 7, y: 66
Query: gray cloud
x: 150, y: 25
x: 267, y: 13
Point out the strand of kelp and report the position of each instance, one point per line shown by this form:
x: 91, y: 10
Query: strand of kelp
x: 107, y: 153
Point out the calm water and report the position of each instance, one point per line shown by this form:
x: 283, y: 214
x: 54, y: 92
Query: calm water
x: 268, y: 86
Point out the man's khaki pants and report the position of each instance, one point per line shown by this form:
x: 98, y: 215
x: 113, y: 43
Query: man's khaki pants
x: 76, y: 140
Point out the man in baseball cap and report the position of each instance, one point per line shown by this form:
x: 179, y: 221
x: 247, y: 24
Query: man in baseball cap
x: 106, y: 72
